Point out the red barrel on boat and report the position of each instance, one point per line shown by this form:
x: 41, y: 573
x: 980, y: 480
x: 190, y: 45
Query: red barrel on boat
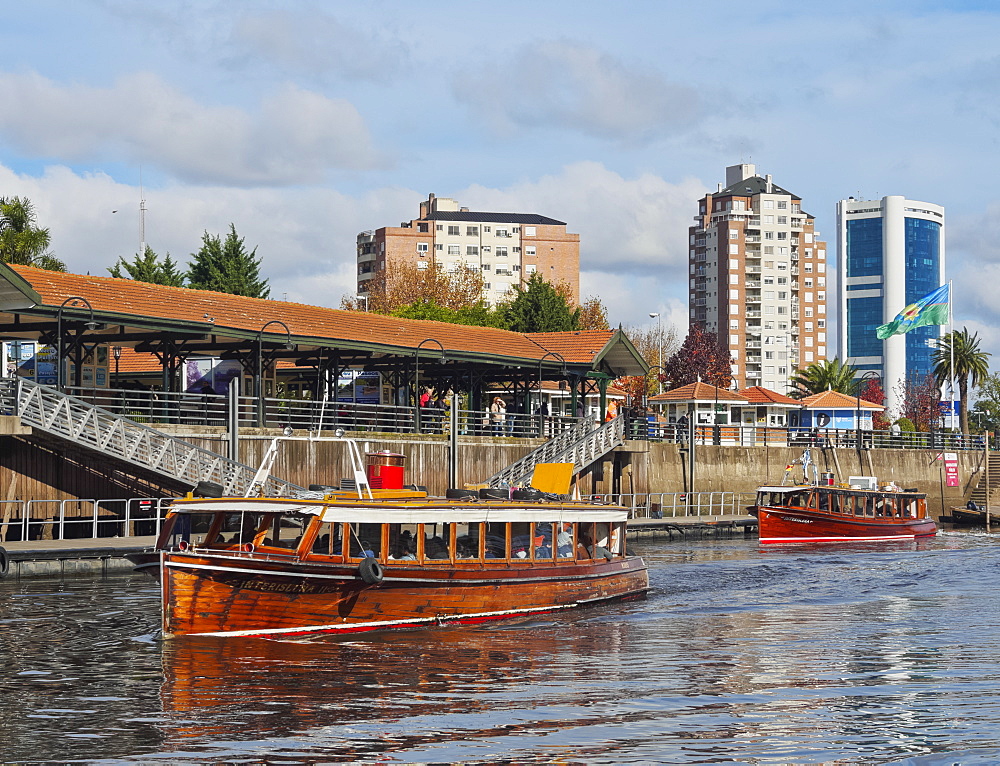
x: 385, y: 469
x: 827, y: 478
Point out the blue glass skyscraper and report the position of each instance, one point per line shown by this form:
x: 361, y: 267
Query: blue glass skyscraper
x: 890, y: 253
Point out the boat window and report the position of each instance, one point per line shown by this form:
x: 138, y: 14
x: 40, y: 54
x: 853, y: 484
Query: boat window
x: 889, y: 508
x: 467, y: 540
x: 602, y: 540
x: 564, y: 540
x: 616, y: 543
x: 239, y: 528
x: 542, y: 547
x: 868, y: 506
x: 520, y: 540
x: 495, y: 539
x: 585, y: 541
x: 284, y: 530
x: 910, y: 507
x: 365, y: 540
x: 834, y: 502
x: 795, y: 499
x: 823, y: 501
x: 403, y: 542
x: 436, y: 541
x: 190, y: 527
x: 329, y: 540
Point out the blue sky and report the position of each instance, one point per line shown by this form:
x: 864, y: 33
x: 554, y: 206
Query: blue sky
x: 306, y: 123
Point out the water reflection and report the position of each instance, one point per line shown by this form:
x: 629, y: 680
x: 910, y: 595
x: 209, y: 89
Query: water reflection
x: 846, y: 655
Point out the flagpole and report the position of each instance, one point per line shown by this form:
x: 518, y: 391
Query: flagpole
x: 951, y: 345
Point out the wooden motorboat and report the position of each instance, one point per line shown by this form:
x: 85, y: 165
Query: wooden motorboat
x: 817, y: 513
x: 366, y: 559
x: 964, y: 516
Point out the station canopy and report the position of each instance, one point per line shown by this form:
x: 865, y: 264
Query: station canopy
x: 174, y: 323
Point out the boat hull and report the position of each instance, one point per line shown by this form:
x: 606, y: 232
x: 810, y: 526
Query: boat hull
x: 243, y: 595
x: 965, y: 518
x: 788, y: 525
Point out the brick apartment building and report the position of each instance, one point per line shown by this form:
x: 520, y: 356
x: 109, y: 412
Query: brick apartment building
x: 757, y: 276
x: 507, y: 247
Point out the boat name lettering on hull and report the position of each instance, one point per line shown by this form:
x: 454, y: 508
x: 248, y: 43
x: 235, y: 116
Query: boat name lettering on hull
x: 797, y: 521
x: 285, y: 587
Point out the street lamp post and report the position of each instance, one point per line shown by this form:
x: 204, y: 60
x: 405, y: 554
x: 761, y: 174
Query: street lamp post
x: 91, y: 325
x: 541, y: 418
x: 870, y: 375
x: 659, y: 343
x: 416, y: 375
x: 260, y: 365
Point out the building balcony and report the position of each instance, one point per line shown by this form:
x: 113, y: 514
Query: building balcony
x: 752, y: 283
x: 751, y: 313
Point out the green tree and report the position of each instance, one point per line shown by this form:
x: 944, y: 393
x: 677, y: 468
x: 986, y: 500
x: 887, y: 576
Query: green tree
x: 828, y: 375
x: 987, y: 405
x: 958, y: 356
x: 477, y: 314
x: 702, y: 356
x: 538, y: 306
x: 149, y: 268
x: 22, y: 242
x: 226, y: 267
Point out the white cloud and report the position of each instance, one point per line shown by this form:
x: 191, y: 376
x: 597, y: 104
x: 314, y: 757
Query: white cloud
x: 626, y: 225
x: 316, y: 44
x: 295, y: 137
x: 575, y: 87
x: 305, y: 237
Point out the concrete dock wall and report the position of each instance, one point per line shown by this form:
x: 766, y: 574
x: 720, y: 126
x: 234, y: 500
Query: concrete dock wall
x: 29, y: 470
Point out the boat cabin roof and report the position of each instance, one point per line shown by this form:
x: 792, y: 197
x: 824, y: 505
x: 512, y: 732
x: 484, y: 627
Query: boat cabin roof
x: 416, y: 511
x: 840, y: 490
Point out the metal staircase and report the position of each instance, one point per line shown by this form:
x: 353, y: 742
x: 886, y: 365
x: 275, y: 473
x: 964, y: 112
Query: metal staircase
x: 581, y: 446
x: 66, y: 417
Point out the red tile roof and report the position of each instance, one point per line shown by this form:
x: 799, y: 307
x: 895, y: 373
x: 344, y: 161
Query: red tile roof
x: 834, y: 400
x: 699, y: 392
x: 761, y: 395
x: 126, y: 301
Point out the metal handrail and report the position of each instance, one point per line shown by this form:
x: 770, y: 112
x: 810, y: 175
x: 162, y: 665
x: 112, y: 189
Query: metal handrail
x: 158, y: 407
x: 581, y: 446
x: 118, y: 517
x: 86, y: 425
x: 662, y: 505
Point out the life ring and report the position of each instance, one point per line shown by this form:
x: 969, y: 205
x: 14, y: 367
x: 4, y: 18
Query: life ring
x: 183, y: 545
x: 370, y: 570
x: 4, y: 563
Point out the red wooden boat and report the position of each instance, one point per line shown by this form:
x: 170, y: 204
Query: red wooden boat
x: 398, y: 559
x: 815, y: 514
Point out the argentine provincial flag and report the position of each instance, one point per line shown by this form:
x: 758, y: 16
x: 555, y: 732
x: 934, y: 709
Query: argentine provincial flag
x: 931, y: 309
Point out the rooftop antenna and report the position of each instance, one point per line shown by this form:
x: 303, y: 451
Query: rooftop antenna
x: 142, y: 217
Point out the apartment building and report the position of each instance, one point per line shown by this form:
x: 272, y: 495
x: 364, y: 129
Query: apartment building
x: 506, y: 247
x: 757, y: 276
x: 890, y: 253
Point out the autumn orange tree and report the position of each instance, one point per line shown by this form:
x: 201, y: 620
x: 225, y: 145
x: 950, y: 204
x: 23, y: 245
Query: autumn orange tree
x: 429, y: 293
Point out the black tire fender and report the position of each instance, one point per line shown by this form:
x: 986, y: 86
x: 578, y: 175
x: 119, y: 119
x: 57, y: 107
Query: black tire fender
x: 4, y: 563
x: 371, y: 571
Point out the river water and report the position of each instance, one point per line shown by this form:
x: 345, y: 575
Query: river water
x: 873, y: 653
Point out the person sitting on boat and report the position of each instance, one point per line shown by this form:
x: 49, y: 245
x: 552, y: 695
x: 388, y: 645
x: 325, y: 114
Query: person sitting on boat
x: 564, y: 541
x: 971, y: 505
x: 436, y: 548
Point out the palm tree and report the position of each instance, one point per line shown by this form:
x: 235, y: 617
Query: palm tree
x: 957, y: 356
x: 828, y: 375
x: 21, y: 241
